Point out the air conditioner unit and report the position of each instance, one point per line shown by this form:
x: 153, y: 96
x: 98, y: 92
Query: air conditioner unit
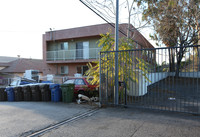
x: 32, y: 74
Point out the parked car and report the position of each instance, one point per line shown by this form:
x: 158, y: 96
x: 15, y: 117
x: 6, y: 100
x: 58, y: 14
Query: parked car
x: 21, y: 81
x: 82, y: 86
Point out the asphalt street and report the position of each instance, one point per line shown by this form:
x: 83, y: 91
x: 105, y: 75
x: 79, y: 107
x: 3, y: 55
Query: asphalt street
x: 118, y: 122
x: 25, y: 118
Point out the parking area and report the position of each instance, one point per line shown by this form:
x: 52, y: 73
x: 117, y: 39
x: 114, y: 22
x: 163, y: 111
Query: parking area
x: 129, y: 122
x: 23, y: 118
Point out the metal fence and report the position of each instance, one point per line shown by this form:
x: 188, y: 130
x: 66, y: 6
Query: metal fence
x: 160, y: 78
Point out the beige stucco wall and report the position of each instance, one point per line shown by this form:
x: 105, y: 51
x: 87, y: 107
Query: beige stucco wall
x: 2, y: 68
x: 53, y: 46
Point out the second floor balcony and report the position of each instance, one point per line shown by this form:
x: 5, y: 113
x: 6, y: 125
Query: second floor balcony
x: 76, y: 54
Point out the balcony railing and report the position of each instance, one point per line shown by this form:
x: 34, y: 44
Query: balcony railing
x: 92, y: 53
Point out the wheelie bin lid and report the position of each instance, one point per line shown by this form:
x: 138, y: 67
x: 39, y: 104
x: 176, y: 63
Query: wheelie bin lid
x: 9, y: 88
x: 54, y: 86
x: 67, y: 85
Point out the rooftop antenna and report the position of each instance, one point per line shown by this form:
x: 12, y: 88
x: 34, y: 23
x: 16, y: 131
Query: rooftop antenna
x: 51, y: 29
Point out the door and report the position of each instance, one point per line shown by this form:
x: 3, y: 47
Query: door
x: 86, y: 50
x: 79, y: 50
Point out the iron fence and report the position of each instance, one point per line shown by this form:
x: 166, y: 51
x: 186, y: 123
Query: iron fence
x: 160, y: 78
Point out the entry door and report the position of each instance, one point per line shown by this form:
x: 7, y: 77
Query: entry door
x: 79, y: 50
x: 86, y: 50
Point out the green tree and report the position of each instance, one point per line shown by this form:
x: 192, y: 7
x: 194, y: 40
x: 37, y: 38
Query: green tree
x: 128, y: 62
x: 176, y: 24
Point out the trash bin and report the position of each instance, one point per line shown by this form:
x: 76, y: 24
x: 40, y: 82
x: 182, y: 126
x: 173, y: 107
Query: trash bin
x: 10, y: 93
x: 67, y: 92
x: 3, y: 94
x: 55, y: 92
x: 36, y: 93
x: 45, y: 92
x: 27, y: 93
x: 19, y: 96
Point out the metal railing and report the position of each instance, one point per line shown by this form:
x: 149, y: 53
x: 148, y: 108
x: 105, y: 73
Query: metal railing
x: 160, y: 78
x: 91, y: 53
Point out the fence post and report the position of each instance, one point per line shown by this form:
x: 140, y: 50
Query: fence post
x: 116, y: 53
x: 100, y: 86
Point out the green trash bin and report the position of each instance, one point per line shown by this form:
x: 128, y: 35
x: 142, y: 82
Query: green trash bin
x: 67, y: 92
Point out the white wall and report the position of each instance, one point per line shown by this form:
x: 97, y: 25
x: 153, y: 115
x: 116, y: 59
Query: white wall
x: 140, y: 88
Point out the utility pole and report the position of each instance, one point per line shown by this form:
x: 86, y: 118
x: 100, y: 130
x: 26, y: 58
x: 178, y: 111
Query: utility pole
x: 116, y: 52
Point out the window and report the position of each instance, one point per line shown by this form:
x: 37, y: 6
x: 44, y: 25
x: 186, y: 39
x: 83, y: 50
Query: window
x: 85, y: 68
x: 82, y: 69
x: 64, y: 46
x: 64, y: 69
x: 79, y: 70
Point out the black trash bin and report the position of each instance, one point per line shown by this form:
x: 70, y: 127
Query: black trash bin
x: 27, y: 93
x: 45, y: 92
x: 3, y: 94
x: 19, y: 96
x: 36, y: 93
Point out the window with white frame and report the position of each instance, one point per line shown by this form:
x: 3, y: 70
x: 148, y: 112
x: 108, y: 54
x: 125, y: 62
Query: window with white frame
x: 64, y: 70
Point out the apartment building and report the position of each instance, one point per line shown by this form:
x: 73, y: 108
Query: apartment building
x: 67, y: 52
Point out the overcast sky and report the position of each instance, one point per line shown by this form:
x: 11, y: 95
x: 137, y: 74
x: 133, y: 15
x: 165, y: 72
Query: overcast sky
x: 23, y: 22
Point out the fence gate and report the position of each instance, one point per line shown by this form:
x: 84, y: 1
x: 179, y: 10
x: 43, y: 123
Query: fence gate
x: 160, y: 78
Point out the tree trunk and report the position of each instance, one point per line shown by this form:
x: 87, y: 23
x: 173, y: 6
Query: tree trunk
x: 179, y: 58
x: 177, y: 69
x: 171, y: 60
x: 198, y: 48
x: 198, y: 53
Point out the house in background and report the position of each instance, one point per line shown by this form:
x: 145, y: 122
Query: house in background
x: 67, y: 52
x: 5, y: 61
x: 11, y: 67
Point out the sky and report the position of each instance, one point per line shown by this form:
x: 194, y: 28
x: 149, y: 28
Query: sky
x: 22, y: 23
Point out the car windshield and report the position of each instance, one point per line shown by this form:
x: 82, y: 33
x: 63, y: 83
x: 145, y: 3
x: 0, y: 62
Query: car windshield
x: 69, y: 81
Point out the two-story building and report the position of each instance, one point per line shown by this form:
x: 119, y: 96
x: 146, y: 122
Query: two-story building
x: 66, y: 52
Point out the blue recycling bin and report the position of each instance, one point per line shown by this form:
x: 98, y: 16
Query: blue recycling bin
x: 55, y: 92
x: 10, y: 93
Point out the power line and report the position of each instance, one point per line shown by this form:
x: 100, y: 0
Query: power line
x: 105, y: 18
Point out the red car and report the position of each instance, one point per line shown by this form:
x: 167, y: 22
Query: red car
x: 82, y: 86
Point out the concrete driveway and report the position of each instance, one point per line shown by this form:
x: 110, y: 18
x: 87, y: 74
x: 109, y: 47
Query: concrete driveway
x: 24, y: 118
